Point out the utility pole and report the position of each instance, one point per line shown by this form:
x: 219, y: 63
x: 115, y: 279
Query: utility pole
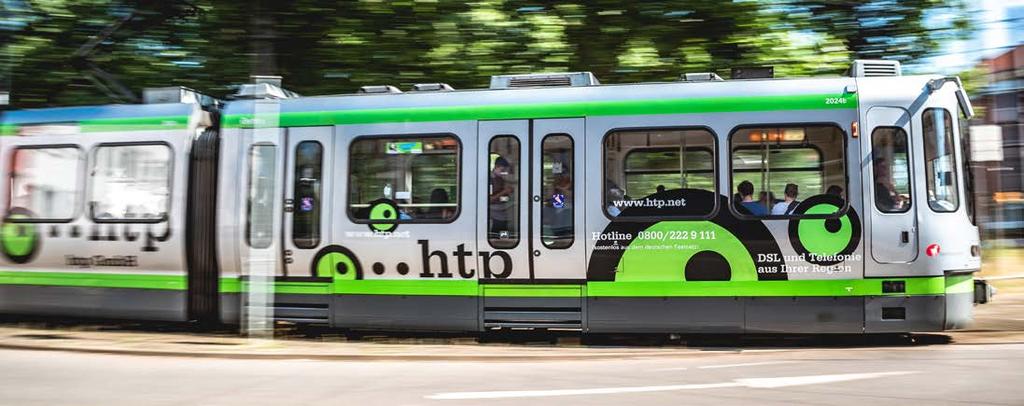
x: 267, y: 152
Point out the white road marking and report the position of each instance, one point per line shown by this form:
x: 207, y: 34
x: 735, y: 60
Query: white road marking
x: 813, y: 379
x: 744, y: 382
x: 749, y: 364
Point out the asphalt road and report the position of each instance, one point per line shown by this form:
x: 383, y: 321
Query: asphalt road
x: 936, y: 374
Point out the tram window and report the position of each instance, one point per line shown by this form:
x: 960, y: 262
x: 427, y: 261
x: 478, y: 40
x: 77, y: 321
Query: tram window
x: 890, y: 165
x: 940, y: 165
x: 557, y: 184
x: 44, y: 183
x: 662, y: 165
x: 503, y: 171
x: 259, y: 223
x: 130, y: 182
x: 776, y: 168
x: 419, y: 175
x: 306, y: 192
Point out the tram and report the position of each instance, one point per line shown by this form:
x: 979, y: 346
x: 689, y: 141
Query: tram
x: 546, y: 201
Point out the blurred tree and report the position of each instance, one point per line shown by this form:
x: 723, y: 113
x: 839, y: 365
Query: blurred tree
x: 322, y: 46
x: 890, y: 29
x: 63, y: 51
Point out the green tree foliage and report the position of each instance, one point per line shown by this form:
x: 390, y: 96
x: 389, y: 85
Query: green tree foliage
x: 323, y: 47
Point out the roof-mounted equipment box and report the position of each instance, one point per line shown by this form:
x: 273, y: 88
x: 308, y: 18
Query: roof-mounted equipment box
x: 379, y: 89
x: 567, y: 79
x: 431, y: 87
x: 863, y: 68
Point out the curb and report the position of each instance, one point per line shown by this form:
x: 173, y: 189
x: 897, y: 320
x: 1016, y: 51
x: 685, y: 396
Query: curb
x: 358, y: 357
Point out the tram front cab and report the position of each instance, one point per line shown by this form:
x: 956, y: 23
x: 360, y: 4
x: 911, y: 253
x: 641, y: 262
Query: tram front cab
x: 918, y: 201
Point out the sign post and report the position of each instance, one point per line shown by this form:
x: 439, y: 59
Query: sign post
x: 263, y: 229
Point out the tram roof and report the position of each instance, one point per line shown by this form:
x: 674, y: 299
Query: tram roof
x: 515, y: 103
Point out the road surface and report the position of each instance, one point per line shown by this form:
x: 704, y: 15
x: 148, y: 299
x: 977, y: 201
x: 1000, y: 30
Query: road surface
x: 975, y: 374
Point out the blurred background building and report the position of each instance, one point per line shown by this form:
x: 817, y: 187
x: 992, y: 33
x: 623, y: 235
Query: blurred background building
x: 998, y: 145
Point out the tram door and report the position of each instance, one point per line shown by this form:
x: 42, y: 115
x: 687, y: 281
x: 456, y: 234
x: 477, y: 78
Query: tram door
x: 889, y: 194
x: 531, y: 209
x: 285, y: 222
x: 557, y: 197
x: 307, y: 171
x: 503, y: 212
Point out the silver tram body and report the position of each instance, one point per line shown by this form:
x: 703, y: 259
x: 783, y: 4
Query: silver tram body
x: 382, y: 210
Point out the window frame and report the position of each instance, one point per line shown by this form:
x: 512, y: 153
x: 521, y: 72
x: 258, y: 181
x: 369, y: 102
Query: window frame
x: 953, y: 151
x: 519, y: 203
x: 80, y: 174
x: 248, y: 168
x: 846, y: 171
x: 540, y: 177
x: 319, y: 212
x: 458, y: 173
x: 170, y: 182
x: 644, y: 219
x: 910, y: 172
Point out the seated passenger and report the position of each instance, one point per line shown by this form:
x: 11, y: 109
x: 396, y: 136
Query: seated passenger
x: 403, y: 209
x: 615, y: 197
x: 786, y: 206
x: 746, y: 191
x: 835, y: 190
x: 438, y: 203
x: 886, y: 197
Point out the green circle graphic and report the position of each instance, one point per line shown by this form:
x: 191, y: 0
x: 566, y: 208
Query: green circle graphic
x: 383, y: 211
x: 328, y: 266
x: 815, y: 236
x: 18, y: 240
x: 664, y: 260
x: 336, y: 262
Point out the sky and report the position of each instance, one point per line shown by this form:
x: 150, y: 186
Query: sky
x: 994, y: 36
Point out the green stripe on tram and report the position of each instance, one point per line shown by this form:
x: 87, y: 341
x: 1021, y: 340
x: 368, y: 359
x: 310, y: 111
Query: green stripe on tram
x: 410, y: 287
x: 532, y: 290
x: 235, y: 285
x: 817, y: 287
x: 95, y: 280
x: 937, y: 285
x: 724, y: 104
x: 117, y: 124
x: 960, y: 284
x: 134, y: 124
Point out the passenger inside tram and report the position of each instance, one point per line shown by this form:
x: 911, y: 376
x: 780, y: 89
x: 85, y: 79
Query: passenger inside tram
x: 788, y: 162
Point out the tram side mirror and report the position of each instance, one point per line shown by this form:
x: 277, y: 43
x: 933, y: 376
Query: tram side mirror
x: 961, y: 96
x: 965, y: 103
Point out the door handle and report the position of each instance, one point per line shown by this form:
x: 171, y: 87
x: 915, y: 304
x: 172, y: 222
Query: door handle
x: 536, y: 198
x: 905, y: 237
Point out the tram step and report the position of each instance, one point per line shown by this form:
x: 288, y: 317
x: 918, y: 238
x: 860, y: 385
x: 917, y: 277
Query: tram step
x: 304, y: 313
x: 533, y: 316
x: 300, y: 312
x: 299, y: 320
x: 530, y: 325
